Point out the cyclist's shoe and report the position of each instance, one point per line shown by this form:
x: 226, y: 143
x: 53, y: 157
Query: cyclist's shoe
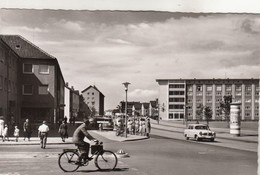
x: 88, y: 159
x: 80, y: 163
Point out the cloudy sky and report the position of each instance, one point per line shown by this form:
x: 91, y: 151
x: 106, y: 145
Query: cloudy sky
x: 107, y: 48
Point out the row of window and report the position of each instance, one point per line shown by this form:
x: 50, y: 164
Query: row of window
x: 92, y: 93
x: 7, y: 85
x: 176, y: 92
x: 176, y: 116
x: 42, y: 90
x: 189, y: 107
x: 237, y: 93
x: 29, y: 69
x: 209, y: 88
x: 209, y: 100
x: 178, y: 86
x: 247, y: 114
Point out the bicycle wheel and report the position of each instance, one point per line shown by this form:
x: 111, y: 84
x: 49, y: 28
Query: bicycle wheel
x: 106, y: 160
x: 68, y: 161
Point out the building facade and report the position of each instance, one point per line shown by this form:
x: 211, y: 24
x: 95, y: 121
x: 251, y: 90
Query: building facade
x: 36, y: 81
x: 94, y: 99
x: 179, y: 99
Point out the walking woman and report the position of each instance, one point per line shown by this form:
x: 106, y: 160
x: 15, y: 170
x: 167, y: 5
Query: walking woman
x: 27, y: 128
x: 63, y: 131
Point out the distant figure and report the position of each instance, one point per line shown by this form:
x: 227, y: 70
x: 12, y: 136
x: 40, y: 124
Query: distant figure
x: 148, y: 127
x: 5, y: 133
x: 1, y: 126
x: 27, y: 128
x: 63, y: 131
x: 43, y: 134
x: 65, y: 120
x: 16, y: 133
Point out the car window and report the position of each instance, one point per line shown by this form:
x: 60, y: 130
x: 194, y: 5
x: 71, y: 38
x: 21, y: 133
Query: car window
x: 201, y: 127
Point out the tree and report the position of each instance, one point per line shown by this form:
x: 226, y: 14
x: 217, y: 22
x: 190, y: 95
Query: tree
x: 225, y: 107
x: 199, y: 112
x: 207, y: 113
x: 93, y: 112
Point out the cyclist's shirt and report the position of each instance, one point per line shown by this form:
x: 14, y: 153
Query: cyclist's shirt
x: 80, y: 133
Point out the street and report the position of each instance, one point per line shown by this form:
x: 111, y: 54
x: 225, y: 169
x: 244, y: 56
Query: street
x: 157, y: 155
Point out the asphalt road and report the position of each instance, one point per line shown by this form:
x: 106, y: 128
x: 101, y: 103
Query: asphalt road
x: 157, y: 155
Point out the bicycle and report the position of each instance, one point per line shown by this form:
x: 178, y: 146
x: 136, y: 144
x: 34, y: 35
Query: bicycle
x: 104, y: 159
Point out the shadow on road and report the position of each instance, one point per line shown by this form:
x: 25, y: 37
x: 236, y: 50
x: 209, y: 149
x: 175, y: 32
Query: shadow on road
x: 115, y: 170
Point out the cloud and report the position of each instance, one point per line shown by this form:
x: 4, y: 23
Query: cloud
x: 143, y: 93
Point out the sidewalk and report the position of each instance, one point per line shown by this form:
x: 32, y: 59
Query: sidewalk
x: 224, y: 133
x: 57, y: 140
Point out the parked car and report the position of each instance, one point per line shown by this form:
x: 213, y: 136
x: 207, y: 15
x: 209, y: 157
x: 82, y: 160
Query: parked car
x: 198, y: 132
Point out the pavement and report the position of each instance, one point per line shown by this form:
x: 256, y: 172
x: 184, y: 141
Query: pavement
x: 250, y: 136
x: 57, y: 140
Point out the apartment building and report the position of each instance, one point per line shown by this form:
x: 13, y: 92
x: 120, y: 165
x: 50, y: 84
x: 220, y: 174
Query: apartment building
x: 94, y: 99
x: 35, y: 80
x: 180, y: 98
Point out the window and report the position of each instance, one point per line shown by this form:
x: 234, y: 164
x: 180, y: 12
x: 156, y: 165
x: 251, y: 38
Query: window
x: 257, y: 88
x: 27, y: 89
x: 199, y: 100
x: 219, y: 88
x: 189, y: 107
x: 248, y: 100
x: 209, y: 100
x: 43, y: 69
x: 93, y: 103
x: 176, y: 92
x: 199, y: 93
x: 190, y: 94
x: 92, y: 93
x: 199, y: 88
x: 27, y: 68
x: 170, y: 116
x: 190, y: 88
x: 43, y: 90
x: 189, y: 100
x: 209, y: 87
x: 176, y: 99
x: 248, y: 88
x: 176, y: 85
x: 248, y: 107
x: 238, y: 88
x: 218, y: 93
x: 238, y: 93
x: 228, y: 88
x: 209, y: 93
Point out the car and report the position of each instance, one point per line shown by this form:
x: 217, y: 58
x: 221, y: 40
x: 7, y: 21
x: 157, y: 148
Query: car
x: 199, y: 132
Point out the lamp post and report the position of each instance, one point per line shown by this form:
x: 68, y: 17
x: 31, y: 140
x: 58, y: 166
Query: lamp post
x: 126, y: 89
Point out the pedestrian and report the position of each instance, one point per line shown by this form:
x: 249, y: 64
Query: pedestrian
x: 5, y: 133
x: 66, y: 120
x: 2, y: 126
x: 63, y: 131
x: 43, y: 134
x: 148, y: 127
x: 16, y: 133
x: 27, y: 128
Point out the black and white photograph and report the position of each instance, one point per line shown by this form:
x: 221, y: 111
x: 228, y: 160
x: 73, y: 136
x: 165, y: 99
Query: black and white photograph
x: 121, y: 87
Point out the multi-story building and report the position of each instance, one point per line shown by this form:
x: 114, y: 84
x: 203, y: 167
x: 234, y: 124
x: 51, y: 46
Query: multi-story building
x: 36, y: 81
x: 180, y: 98
x: 94, y: 99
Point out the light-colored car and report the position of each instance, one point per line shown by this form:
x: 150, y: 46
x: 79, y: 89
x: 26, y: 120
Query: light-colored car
x: 198, y: 132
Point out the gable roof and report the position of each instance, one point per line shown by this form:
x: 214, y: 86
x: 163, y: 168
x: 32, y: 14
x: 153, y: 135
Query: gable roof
x: 24, y: 48
x: 94, y: 88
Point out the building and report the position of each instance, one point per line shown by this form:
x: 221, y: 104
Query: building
x: 145, y: 109
x: 180, y: 98
x: 34, y: 82
x: 94, y: 99
x: 72, y: 103
x: 153, y: 109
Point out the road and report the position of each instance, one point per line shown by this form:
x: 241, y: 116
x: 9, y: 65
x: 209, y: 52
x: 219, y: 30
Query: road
x: 157, y: 155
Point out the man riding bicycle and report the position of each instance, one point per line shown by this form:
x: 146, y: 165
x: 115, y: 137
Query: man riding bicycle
x: 78, y: 139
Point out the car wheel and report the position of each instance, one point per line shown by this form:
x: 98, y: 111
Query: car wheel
x: 187, y: 138
x: 212, y: 139
x: 197, y: 138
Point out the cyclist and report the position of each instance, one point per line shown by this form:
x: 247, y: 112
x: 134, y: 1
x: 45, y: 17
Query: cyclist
x: 78, y: 139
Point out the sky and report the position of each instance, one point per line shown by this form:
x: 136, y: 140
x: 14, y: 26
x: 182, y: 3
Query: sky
x: 106, y: 48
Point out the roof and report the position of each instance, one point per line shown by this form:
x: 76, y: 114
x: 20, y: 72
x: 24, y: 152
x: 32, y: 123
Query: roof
x: 94, y: 88
x: 146, y: 105
x: 137, y: 105
x: 207, y: 79
x: 24, y: 48
x: 153, y: 103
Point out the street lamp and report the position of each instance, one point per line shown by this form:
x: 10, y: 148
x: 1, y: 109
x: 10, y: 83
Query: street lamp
x: 126, y: 89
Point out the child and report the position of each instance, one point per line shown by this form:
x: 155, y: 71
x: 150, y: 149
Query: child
x: 5, y: 133
x: 16, y: 133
